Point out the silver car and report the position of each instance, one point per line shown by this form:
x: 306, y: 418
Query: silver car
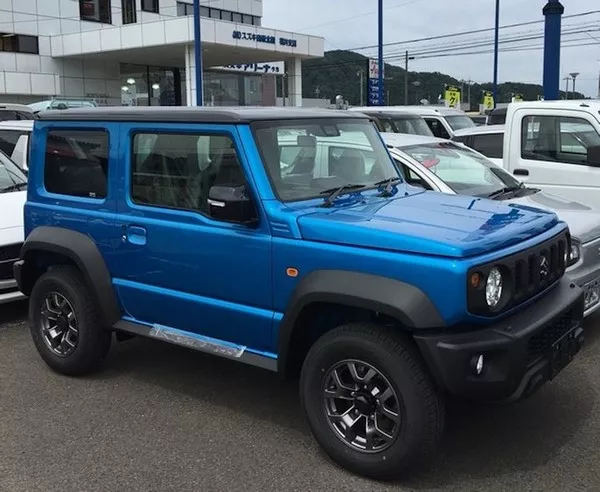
x: 451, y: 167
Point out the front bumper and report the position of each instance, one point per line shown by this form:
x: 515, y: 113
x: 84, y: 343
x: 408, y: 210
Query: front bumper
x: 9, y: 291
x: 520, y: 353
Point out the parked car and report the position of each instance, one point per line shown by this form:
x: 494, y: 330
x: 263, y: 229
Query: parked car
x: 14, y: 141
x: 15, y: 112
x: 487, y: 140
x: 555, y: 145
x: 13, y: 193
x: 442, y: 121
x: 444, y: 166
x: 62, y: 103
x: 182, y: 225
x: 396, y: 121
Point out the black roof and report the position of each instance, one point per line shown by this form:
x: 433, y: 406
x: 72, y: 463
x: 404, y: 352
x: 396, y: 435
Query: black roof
x: 187, y: 114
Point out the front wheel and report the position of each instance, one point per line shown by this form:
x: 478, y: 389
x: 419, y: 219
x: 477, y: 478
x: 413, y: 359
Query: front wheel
x: 369, y: 402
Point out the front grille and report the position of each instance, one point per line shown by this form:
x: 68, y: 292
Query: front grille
x: 8, y: 255
x: 527, y: 273
x: 541, y: 343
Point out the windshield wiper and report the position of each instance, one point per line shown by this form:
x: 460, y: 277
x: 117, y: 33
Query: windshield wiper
x: 14, y: 187
x: 335, y: 192
x: 389, y: 183
x: 504, y: 191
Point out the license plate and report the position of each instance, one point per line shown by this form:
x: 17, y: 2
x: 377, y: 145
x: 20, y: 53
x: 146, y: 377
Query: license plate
x: 592, y: 294
x: 564, y: 350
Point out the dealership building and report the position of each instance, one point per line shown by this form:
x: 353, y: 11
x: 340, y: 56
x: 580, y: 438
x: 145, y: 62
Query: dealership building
x: 141, y: 52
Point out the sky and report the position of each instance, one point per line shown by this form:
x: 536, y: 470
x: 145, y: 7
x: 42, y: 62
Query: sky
x: 349, y: 24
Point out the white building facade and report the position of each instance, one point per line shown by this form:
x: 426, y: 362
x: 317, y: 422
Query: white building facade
x: 141, y: 52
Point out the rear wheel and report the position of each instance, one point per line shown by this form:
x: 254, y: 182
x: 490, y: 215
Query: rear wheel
x: 64, y: 323
x: 369, y: 402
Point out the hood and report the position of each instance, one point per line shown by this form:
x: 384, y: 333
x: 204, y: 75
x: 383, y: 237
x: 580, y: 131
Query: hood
x: 428, y: 223
x: 583, y: 221
x: 11, y: 207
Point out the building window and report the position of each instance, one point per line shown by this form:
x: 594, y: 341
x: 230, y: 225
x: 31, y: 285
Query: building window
x: 150, y: 6
x: 95, y: 11
x: 19, y: 43
x: 177, y: 170
x: 129, y: 12
x: 77, y: 163
x: 226, y: 15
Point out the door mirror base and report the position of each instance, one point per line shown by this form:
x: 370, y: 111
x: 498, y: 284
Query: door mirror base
x: 231, y: 203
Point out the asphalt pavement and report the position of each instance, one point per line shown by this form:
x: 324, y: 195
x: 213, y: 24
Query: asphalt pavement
x: 162, y: 418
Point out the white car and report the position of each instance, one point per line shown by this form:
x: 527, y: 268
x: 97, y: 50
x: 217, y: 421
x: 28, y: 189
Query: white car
x: 450, y: 167
x: 13, y: 194
x: 14, y: 140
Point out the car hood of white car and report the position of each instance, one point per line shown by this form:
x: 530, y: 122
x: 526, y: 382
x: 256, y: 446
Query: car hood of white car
x: 583, y: 221
x: 11, y: 211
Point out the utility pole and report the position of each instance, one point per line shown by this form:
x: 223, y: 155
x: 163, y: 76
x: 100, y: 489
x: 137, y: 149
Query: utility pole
x: 361, y: 74
x: 574, y: 76
x: 198, y: 55
x: 496, y: 36
x: 566, y: 79
x: 553, y: 12
x: 380, y: 52
x: 406, y: 58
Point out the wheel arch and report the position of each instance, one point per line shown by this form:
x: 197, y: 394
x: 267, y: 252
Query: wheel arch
x: 48, y: 246
x: 355, y: 295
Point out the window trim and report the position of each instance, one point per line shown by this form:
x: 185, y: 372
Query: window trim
x: 99, y: 129
x: 129, y: 167
x: 153, y: 9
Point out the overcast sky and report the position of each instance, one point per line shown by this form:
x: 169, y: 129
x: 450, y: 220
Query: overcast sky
x: 347, y: 24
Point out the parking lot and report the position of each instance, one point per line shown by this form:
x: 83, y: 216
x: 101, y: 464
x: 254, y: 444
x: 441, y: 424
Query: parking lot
x: 162, y: 418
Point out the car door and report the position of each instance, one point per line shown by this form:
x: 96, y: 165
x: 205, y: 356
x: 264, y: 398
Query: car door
x: 178, y: 267
x: 549, y: 150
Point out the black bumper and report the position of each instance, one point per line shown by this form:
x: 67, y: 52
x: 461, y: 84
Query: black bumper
x: 520, y: 353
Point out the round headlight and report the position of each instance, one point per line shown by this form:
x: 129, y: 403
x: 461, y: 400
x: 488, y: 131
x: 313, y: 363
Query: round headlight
x: 493, y: 288
x: 574, y: 254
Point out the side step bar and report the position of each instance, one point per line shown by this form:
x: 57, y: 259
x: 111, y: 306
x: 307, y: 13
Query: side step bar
x: 197, y: 342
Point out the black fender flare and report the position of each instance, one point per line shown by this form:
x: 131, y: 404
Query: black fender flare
x: 83, y: 252
x: 404, y: 302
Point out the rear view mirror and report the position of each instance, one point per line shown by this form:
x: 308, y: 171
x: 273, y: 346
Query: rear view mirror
x: 231, y: 203
x: 306, y: 141
x: 593, y: 156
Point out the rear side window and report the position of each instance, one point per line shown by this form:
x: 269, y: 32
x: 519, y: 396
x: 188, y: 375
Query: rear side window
x: 76, y: 163
x: 8, y: 140
x: 490, y: 144
x: 437, y: 128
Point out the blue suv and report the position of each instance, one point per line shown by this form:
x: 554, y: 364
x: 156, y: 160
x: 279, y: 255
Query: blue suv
x: 211, y: 229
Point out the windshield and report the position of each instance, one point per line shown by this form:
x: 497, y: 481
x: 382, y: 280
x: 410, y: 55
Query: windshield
x: 459, y: 122
x: 412, y: 126
x: 463, y: 170
x: 304, y: 158
x: 11, y: 177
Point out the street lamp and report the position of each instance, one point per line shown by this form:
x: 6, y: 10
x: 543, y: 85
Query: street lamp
x: 574, y: 76
x: 406, y: 58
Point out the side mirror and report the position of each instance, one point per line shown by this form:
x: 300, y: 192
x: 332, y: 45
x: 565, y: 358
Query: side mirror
x: 593, y: 156
x: 231, y: 203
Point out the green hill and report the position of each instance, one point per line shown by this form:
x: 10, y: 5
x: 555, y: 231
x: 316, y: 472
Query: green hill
x: 337, y: 73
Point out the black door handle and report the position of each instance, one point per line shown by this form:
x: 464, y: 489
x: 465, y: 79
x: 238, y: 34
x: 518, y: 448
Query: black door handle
x: 521, y: 172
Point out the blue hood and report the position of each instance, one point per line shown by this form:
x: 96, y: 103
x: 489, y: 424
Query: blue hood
x: 428, y: 223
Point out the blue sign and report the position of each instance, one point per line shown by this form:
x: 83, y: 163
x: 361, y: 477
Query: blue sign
x: 263, y: 38
x: 373, y: 93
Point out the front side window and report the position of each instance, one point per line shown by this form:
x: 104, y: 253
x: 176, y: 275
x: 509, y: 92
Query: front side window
x: 489, y: 144
x: 9, y: 139
x: 76, y: 163
x: 11, y: 177
x: 557, y: 139
x: 412, y: 126
x: 95, y: 11
x: 463, y: 170
x: 305, y: 158
x: 437, y: 128
x: 178, y: 170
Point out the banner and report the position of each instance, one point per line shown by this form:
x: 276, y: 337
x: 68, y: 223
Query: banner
x: 373, y: 84
x: 452, y: 96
